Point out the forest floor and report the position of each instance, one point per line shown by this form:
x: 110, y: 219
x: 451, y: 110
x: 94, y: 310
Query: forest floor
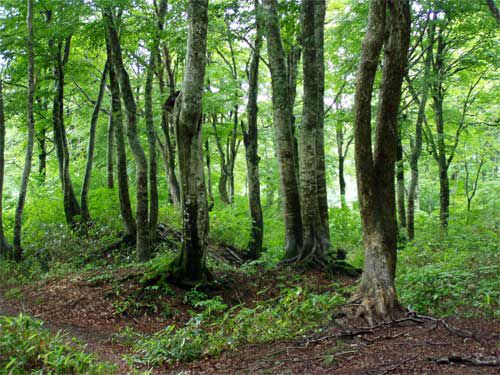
x: 85, y: 307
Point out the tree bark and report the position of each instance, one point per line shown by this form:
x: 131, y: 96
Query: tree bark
x: 190, y: 267
x: 284, y: 140
x: 209, y: 176
x: 315, y: 236
x: 151, y: 134
x: 23, y: 190
x: 4, y: 245
x: 250, y: 140
x: 142, y: 220
x: 319, y: 31
x: 84, y: 197
x: 375, y: 169
x: 110, y: 154
x: 417, y: 144
x: 494, y: 10
x: 400, y: 183
x: 60, y: 57
x: 121, y: 151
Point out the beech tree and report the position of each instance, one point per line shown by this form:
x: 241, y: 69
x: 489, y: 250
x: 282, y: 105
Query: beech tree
x: 250, y: 139
x: 375, y: 168
x: 142, y: 221
x: 190, y: 268
x: 23, y: 190
x: 285, y: 144
x: 4, y: 245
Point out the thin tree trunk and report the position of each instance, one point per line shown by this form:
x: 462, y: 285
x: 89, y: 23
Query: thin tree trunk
x: 232, y: 153
x: 4, y: 245
x: 417, y: 145
x: 494, y: 10
x: 190, y: 267
x: 224, y: 169
x: 320, y: 11
x: 284, y: 141
x: 71, y: 206
x: 151, y: 133
x: 250, y: 140
x: 84, y: 198
x: 209, y: 176
x: 375, y: 170
x: 121, y: 151
x: 400, y: 183
x: 18, y: 221
x: 110, y: 154
x: 142, y: 222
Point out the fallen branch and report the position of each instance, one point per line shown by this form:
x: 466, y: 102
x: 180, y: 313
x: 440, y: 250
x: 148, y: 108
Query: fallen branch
x: 469, y: 361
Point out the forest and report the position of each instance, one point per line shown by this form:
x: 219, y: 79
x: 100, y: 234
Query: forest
x: 249, y: 187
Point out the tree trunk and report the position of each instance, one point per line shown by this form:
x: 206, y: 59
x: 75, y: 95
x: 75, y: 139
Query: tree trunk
x: 71, y: 206
x: 18, y: 221
x: 84, y: 198
x: 444, y: 197
x: 494, y: 10
x: 343, y: 202
x: 224, y: 168
x: 375, y: 170
x: 110, y: 154
x: 209, y: 176
x: 232, y: 153
x: 151, y: 133
x: 4, y: 245
x: 417, y: 145
x: 319, y: 26
x: 250, y: 140
x: 284, y: 139
x: 190, y: 267
x: 121, y: 152
x: 169, y: 159
x: 400, y: 183
x: 444, y: 184
x: 315, y: 236
x: 142, y: 222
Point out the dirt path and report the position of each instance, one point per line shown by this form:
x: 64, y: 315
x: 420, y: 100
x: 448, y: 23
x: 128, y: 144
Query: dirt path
x: 82, y: 311
x: 96, y: 340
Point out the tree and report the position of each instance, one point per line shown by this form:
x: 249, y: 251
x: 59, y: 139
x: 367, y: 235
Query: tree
x: 494, y: 10
x: 142, y: 220
x: 4, y: 245
x: 84, y: 197
x: 311, y: 144
x: 250, y: 139
x: 116, y: 117
x: 416, y: 143
x: 60, y: 47
x: 17, y: 250
x: 284, y: 139
x: 190, y: 268
x: 375, y: 169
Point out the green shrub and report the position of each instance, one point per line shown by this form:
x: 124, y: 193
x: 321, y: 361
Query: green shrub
x: 27, y: 347
x: 216, y: 329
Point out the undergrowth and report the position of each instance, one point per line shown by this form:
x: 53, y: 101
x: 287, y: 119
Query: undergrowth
x: 26, y: 347
x: 218, y: 328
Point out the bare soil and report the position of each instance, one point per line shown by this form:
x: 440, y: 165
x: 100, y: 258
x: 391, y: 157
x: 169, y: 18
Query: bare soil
x: 87, y: 309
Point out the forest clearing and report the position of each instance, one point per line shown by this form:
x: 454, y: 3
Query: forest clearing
x: 249, y: 187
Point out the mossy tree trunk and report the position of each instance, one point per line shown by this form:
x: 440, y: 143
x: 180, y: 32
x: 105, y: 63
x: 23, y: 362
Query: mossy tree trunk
x: 4, y: 245
x: 23, y: 190
x: 250, y: 140
x: 84, y: 197
x: 143, y: 245
x: 375, y: 169
x: 284, y: 139
x: 190, y: 267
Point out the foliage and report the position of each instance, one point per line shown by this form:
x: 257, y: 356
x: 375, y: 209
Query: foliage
x: 26, y: 347
x: 214, y: 329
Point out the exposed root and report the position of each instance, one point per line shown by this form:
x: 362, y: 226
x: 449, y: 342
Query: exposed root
x: 375, y: 305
